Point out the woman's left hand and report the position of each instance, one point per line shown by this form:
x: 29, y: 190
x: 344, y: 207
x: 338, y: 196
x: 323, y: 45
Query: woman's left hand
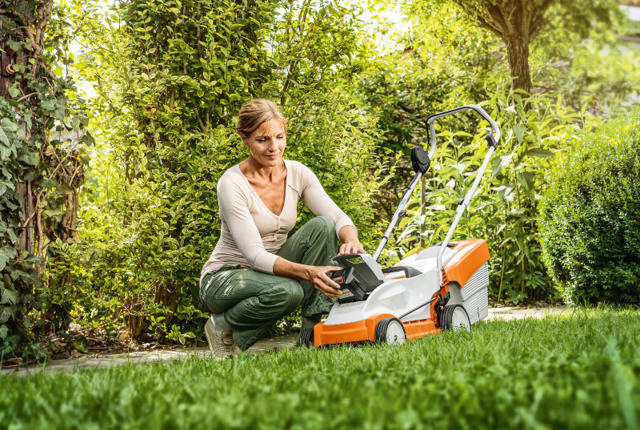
x: 352, y: 247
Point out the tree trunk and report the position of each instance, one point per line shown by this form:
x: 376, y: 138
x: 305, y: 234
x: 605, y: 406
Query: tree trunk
x: 69, y: 218
x: 518, y: 53
x: 31, y: 18
x: 20, y: 12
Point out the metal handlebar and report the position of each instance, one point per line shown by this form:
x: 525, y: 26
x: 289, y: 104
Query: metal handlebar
x: 492, y: 138
x: 492, y: 141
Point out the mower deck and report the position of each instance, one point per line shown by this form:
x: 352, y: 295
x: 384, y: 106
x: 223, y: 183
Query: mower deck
x: 465, y: 259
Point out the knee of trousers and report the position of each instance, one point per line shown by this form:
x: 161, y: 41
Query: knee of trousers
x: 324, y: 227
x: 286, y: 295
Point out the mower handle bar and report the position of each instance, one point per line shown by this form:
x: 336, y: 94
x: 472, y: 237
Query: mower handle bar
x: 492, y: 139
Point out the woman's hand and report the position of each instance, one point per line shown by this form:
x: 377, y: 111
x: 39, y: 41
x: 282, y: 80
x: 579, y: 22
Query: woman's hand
x: 318, y: 275
x: 352, y: 247
x: 348, y: 235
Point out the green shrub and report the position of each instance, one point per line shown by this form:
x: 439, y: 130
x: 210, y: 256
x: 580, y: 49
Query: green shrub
x: 590, y: 217
x: 164, y: 113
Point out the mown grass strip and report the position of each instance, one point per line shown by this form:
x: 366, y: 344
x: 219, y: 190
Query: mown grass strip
x: 573, y: 371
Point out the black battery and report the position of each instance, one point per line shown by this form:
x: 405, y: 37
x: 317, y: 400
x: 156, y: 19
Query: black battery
x: 348, y: 279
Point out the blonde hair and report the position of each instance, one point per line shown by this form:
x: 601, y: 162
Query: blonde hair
x: 255, y: 113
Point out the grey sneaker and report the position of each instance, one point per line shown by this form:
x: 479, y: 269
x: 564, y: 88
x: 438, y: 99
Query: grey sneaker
x: 221, y: 343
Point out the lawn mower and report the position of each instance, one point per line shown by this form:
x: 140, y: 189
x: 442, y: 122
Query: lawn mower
x: 439, y: 288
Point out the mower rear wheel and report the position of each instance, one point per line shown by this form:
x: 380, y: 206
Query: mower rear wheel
x: 391, y: 331
x: 455, y: 317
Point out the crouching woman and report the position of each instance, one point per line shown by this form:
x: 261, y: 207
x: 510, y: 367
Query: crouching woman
x: 256, y: 273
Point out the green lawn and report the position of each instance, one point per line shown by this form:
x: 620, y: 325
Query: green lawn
x: 573, y: 371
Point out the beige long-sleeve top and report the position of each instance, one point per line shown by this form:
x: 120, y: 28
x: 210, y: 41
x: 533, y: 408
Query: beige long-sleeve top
x: 251, y: 234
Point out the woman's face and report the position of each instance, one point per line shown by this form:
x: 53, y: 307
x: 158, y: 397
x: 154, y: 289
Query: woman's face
x: 266, y: 144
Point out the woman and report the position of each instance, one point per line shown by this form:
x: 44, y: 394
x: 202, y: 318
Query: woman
x: 256, y: 274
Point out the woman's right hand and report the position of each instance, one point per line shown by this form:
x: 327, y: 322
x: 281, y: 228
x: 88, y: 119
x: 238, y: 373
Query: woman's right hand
x: 319, y: 277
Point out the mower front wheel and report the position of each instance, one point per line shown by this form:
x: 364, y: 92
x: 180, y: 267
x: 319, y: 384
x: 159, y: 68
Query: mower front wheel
x: 391, y: 331
x: 455, y: 317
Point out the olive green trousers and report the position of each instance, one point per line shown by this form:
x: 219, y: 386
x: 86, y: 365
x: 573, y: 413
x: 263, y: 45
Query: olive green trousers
x: 251, y: 301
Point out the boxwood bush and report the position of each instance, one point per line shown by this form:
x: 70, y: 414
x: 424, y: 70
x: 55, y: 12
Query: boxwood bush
x: 590, y: 217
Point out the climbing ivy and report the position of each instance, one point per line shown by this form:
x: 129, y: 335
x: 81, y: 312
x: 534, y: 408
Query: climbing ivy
x: 41, y: 140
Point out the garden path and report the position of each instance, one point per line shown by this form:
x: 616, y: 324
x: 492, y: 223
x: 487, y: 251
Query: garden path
x: 106, y: 361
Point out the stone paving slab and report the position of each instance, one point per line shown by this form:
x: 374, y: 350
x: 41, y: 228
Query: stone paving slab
x: 110, y: 360
x: 517, y: 313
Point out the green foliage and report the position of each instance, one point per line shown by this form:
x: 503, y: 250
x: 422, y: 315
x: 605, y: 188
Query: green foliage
x: 590, y: 217
x: 599, y: 79
x: 570, y: 22
x: 169, y: 85
x: 434, y: 72
x: 572, y: 371
x: 446, y: 62
x: 519, y: 24
x: 318, y: 48
x: 40, y: 170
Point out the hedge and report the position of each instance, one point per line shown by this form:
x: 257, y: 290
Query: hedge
x: 590, y: 217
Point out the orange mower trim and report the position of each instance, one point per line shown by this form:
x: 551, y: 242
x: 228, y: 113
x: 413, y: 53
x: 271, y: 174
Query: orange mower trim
x: 419, y: 328
x: 365, y: 330
x: 357, y: 331
x: 472, y: 254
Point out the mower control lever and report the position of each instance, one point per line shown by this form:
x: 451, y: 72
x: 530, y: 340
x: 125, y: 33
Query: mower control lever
x: 420, y: 161
x: 491, y: 141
